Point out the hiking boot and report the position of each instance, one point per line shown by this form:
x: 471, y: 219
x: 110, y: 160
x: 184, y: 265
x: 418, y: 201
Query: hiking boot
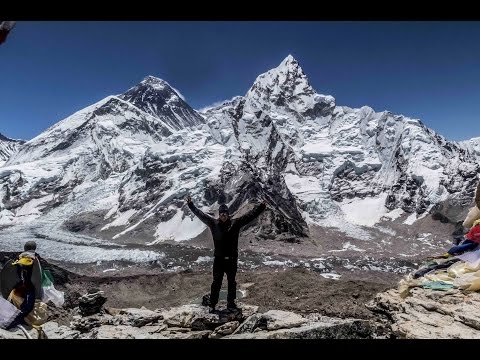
x: 232, y: 306
x: 212, y: 310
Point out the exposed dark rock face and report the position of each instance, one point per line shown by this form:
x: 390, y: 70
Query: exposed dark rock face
x: 91, y: 303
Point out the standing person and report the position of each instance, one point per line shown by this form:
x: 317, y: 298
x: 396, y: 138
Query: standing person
x: 23, y: 294
x: 30, y: 250
x: 225, y: 232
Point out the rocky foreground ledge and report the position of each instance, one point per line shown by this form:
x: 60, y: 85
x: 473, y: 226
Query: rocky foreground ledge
x: 424, y: 313
x: 418, y: 313
x: 195, y: 322
x: 428, y: 314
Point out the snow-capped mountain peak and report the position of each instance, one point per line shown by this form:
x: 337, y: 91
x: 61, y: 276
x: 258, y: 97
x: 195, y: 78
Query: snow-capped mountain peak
x: 157, y: 98
x: 288, y: 85
x: 160, y: 84
x: 155, y: 82
x: 287, y: 77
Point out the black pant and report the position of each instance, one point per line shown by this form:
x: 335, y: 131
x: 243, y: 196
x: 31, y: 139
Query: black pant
x: 432, y: 267
x: 223, y: 265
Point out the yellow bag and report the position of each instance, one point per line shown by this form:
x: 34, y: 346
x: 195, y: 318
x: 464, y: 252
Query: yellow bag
x: 37, y: 316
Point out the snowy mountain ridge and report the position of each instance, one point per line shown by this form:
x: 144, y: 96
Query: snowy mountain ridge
x: 8, y: 147
x: 120, y: 168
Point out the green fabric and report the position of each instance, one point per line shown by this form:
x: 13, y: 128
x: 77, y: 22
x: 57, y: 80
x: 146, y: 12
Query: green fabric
x: 437, y: 285
x: 47, y: 278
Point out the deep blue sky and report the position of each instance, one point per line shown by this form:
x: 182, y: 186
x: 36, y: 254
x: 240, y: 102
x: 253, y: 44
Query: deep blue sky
x: 428, y: 70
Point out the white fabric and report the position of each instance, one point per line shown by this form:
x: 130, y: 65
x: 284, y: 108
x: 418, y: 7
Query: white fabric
x: 54, y: 295
x: 473, y: 214
x: 471, y: 257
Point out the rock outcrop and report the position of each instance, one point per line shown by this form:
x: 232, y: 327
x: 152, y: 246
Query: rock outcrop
x: 439, y: 301
x: 195, y: 322
x: 428, y: 314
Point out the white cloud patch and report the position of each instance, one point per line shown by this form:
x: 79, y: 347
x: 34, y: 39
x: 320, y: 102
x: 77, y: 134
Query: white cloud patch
x: 178, y: 93
x: 214, y: 105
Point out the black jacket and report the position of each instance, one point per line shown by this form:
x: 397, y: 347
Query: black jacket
x: 225, y: 234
